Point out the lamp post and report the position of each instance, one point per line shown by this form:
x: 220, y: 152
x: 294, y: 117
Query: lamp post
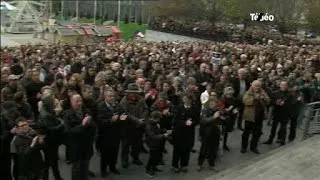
x: 119, y: 13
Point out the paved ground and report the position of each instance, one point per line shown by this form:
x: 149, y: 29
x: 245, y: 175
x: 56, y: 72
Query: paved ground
x: 19, y: 39
x: 160, y: 36
x: 297, y: 161
x: 230, y: 159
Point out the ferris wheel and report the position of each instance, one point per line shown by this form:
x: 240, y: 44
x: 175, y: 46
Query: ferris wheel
x: 27, y: 18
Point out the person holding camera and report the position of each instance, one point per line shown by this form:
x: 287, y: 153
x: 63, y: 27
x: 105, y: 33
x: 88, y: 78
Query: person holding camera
x: 255, y: 101
x: 81, y: 131
x: 155, y: 139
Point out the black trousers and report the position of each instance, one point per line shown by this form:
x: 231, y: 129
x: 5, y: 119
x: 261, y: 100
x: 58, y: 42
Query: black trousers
x: 154, y: 158
x: 293, y: 127
x: 275, y: 124
x: 209, y: 149
x: 51, y: 160
x: 80, y: 169
x: 109, y: 157
x: 255, y: 129
x: 282, y: 134
x: 241, y: 109
x: 181, y: 156
x: 133, y: 144
x: 5, y: 162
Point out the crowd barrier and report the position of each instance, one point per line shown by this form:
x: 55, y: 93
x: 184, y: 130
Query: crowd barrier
x: 311, y: 120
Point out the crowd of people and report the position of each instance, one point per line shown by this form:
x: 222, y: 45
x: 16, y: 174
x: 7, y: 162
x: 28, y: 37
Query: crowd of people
x: 141, y: 96
x: 223, y: 31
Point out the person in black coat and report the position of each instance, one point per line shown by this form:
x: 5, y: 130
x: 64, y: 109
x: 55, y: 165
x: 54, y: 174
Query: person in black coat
x: 183, y: 133
x: 210, y: 134
x: 110, y: 119
x: 281, y: 113
x: 9, y: 113
x: 27, y: 145
x: 155, y: 138
x: 81, y: 131
x: 240, y: 85
x: 54, y: 131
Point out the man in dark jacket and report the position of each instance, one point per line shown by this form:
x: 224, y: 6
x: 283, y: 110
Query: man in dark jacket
x: 155, y: 138
x: 281, y: 113
x: 111, y: 119
x: 81, y: 132
x: 8, y: 115
x: 54, y: 129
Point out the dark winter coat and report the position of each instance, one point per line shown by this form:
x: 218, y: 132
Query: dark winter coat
x: 154, y: 135
x: 182, y: 134
x: 80, y: 138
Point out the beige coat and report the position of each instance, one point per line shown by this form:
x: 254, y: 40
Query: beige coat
x: 249, y: 106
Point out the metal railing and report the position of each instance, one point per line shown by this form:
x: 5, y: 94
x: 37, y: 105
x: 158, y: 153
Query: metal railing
x: 311, y: 120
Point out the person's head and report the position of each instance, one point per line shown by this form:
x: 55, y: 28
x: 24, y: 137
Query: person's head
x: 76, y: 101
x: 20, y: 97
x: 116, y: 67
x: 59, y: 79
x: 87, y: 92
x: 53, y: 69
x: 100, y: 79
x: 13, y: 80
x: 91, y: 71
x: 225, y: 70
x: 139, y: 73
x: 228, y: 92
x: 256, y: 86
x: 35, y: 75
x: 283, y: 85
x: 48, y: 101
x: 187, y: 98
x: 46, y: 89
x: 22, y: 125
x: 203, y: 67
x: 109, y: 96
x: 108, y: 74
x: 166, y: 87
x: 147, y: 85
x: 191, y: 83
x: 213, y: 95
x: 140, y: 82
x: 211, y: 104
x: 155, y: 116
x: 241, y: 73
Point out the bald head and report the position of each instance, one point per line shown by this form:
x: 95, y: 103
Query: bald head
x: 76, y: 101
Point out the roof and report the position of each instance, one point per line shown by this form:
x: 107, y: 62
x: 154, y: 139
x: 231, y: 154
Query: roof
x: 66, y: 32
x: 89, y: 31
x: 103, y: 31
x: 67, y: 22
x: 80, y: 31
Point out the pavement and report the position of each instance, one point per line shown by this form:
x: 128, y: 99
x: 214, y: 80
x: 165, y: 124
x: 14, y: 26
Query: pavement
x: 11, y: 40
x: 228, y: 160
x: 297, y: 161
